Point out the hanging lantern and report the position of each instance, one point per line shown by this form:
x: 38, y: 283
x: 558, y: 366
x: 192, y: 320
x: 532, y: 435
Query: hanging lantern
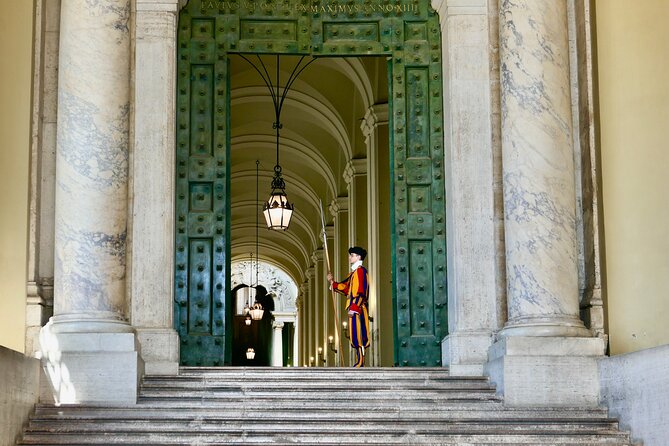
x: 278, y: 210
x: 250, y: 353
x: 257, y: 312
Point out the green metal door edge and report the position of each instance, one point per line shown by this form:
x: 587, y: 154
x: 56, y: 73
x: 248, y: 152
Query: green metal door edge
x: 408, y: 33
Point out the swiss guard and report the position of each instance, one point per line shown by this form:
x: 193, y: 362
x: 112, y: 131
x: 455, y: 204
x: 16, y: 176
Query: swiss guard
x: 356, y: 288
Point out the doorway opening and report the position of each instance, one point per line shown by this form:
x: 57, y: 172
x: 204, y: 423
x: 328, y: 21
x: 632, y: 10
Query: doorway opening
x: 379, y: 86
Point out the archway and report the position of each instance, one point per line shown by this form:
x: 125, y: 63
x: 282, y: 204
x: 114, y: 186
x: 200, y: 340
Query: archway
x: 408, y: 35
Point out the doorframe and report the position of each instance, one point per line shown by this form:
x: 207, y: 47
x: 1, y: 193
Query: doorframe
x: 470, y: 162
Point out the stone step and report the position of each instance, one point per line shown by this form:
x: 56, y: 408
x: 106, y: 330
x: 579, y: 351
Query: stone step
x: 427, y: 397
x: 371, y: 436
x: 307, y: 425
x: 306, y: 382
x: 261, y: 406
x: 259, y: 409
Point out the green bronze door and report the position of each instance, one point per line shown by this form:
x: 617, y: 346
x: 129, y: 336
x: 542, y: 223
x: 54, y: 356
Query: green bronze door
x: 417, y: 171
x: 408, y: 34
x: 202, y: 274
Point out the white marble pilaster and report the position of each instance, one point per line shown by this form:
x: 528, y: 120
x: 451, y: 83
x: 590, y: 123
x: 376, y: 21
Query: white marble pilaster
x: 310, y: 316
x: 39, y: 302
x: 319, y: 289
x: 88, y: 346
x: 355, y: 176
x: 469, y: 80
x: 151, y: 194
x: 545, y: 355
x: 302, y: 328
x: 374, y: 122
x: 330, y: 307
x: 339, y: 212
x: 277, y: 344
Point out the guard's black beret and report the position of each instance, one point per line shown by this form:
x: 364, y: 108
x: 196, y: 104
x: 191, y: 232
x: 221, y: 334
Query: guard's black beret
x: 358, y: 250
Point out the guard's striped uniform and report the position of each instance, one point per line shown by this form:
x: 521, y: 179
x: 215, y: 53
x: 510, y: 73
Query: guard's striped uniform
x: 356, y: 288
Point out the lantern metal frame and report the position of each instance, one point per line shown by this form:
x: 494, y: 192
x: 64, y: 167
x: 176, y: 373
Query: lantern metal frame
x: 278, y: 211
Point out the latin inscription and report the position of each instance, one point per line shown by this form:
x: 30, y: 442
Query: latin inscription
x: 332, y: 8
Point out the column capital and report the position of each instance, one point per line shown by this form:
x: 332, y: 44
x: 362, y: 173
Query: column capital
x: 355, y: 167
x: 339, y: 204
x: 277, y: 325
x: 317, y: 255
x: 375, y: 115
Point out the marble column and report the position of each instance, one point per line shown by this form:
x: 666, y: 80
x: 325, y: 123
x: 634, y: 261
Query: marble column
x: 151, y: 262
x: 545, y: 355
x: 88, y: 345
x: 277, y: 344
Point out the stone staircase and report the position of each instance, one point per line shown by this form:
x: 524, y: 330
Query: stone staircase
x: 319, y: 406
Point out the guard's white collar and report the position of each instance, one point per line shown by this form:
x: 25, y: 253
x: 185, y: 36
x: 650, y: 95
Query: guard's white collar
x: 356, y: 265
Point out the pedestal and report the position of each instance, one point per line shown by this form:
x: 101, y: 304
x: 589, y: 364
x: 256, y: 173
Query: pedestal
x: 91, y: 367
x: 546, y: 371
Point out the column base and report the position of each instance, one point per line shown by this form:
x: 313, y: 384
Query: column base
x: 552, y: 326
x: 160, y: 350
x: 465, y: 353
x: 546, y: 371
x: 91, y: 367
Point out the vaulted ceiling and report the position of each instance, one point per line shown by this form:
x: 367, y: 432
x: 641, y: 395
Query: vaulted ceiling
x: 321, y: 132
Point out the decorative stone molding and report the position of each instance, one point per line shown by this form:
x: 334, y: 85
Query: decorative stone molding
x: 375, y: 116
x: 355, y: 167
x: 339, y: 204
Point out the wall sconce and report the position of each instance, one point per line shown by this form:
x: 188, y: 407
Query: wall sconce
x: 320, y: 355
x: 247, y: 320
x: 250, y: 353
x: 331, y: 344
x: 345, y: 329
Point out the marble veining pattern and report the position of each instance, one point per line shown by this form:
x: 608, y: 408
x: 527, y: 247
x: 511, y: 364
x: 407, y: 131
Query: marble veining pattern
x: 92, y: 158
x: 538, y: 178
